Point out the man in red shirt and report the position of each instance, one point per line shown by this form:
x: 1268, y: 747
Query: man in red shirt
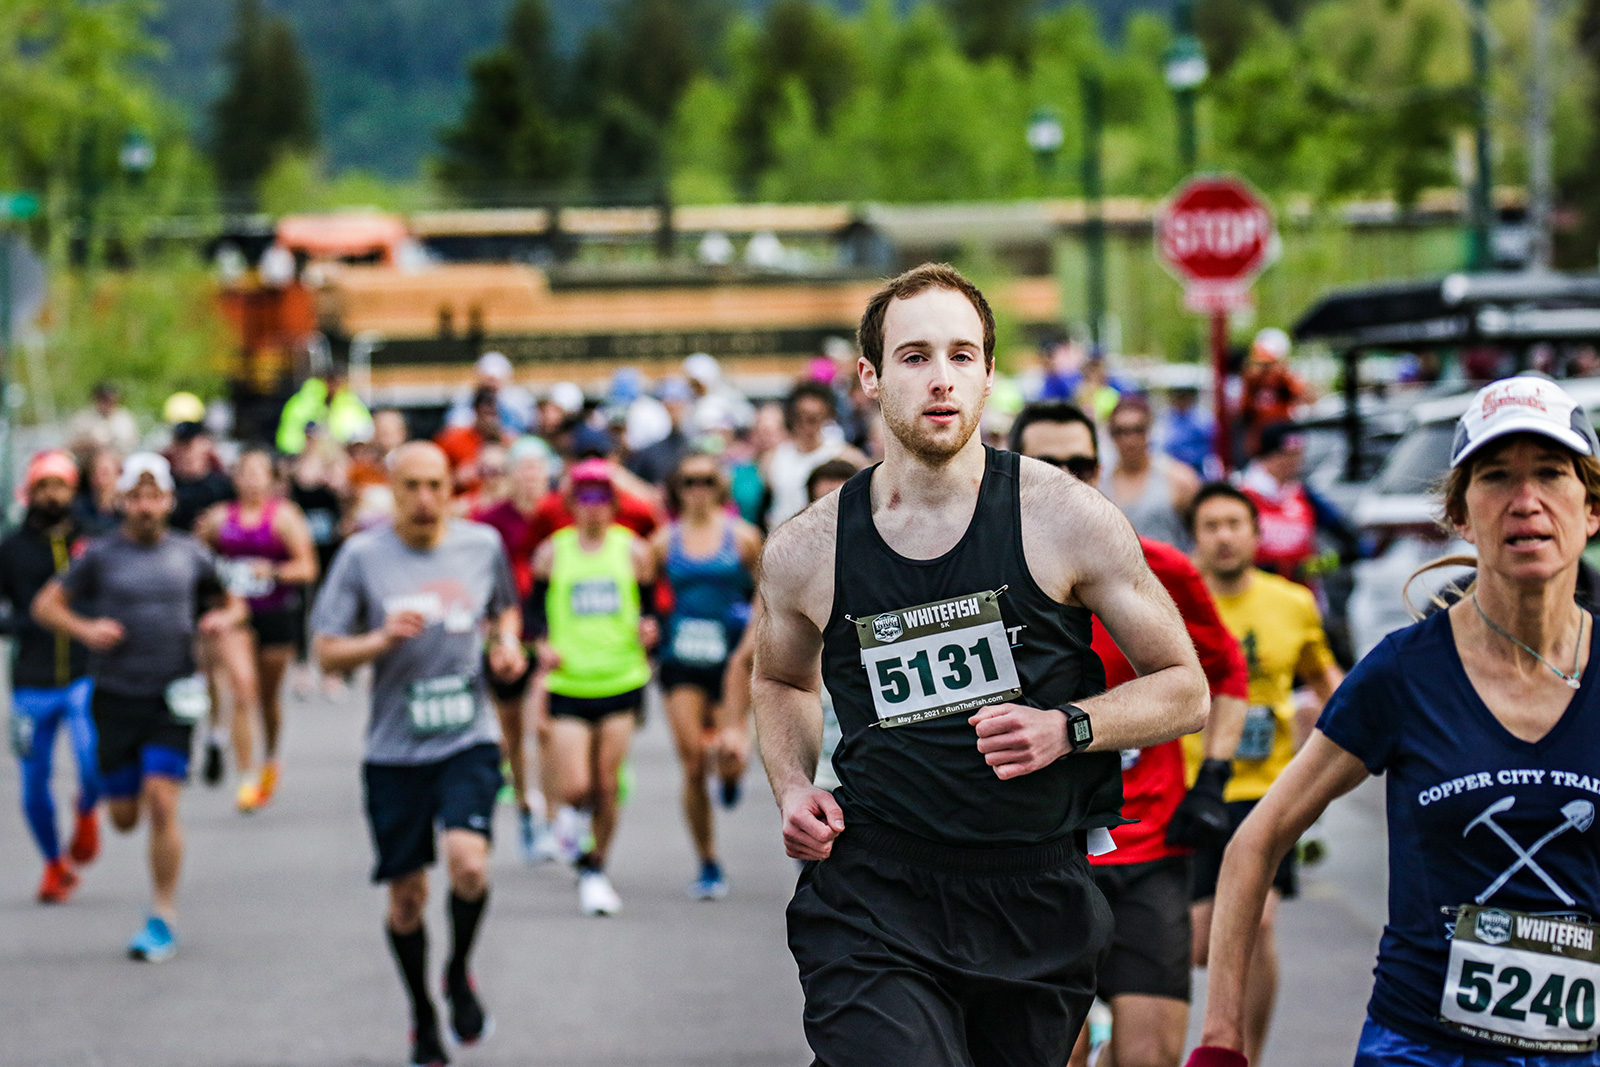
x: 1145, y: 978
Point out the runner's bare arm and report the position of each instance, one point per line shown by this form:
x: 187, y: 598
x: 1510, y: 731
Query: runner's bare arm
x: 340, y: 653
x: 796, y: 598
x: 1224, y: 726
x: 52, y: 610
x: 1321, y: 773
x: 1100, y: 566
x: 301, y: 566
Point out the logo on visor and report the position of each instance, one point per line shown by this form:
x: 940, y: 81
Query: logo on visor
x: 887, y: 628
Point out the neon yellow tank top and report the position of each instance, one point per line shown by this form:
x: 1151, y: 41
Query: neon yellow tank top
x: 593, y: 612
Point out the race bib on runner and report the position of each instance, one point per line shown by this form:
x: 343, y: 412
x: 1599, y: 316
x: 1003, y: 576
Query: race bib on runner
x: 441, y: 705
x: 188, y: 699
x: 700, y: 642
x: 598, y: 596
x: 936, y: 659
x: 1526, y: 981
x: 239, y: 577
x: 1260, y: 731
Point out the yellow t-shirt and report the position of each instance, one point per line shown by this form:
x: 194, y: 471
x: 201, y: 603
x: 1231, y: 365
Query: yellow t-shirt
x: 1280, y: 631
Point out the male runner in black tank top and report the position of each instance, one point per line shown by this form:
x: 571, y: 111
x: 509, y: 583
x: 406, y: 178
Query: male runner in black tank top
x: 948, y: 916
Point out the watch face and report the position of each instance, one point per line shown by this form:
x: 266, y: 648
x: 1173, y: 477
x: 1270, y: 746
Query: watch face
x: 1082, y: 734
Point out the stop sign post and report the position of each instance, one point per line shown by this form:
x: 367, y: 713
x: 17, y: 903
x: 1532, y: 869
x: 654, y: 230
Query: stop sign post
x: 1215, y: 234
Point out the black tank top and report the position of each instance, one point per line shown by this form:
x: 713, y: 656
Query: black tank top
x: 879, y: 659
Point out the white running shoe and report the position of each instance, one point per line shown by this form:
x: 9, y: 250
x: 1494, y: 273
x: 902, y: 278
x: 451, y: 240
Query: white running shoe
x: 567, y: 830
x: 596, y: 896
x: 546, y: 846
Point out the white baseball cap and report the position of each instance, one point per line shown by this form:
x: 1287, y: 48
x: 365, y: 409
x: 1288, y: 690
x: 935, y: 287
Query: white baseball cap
x: 140, y: 464
x: 703, y: 367
x: 494, y: 365
x: 567, y: 396
x: 1527, y: 403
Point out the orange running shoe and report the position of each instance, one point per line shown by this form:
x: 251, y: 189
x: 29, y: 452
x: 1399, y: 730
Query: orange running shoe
x: 249, y: 797
x: 269, y: 780
x: 85, y: 838
x: 58, y: 882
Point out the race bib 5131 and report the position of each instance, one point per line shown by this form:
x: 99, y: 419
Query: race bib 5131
x: 943, y: 658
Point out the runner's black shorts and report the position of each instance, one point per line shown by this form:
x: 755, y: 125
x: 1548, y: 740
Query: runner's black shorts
x: 593, y: 709
x: 407, y: 803
x: 706, y: 679
x: 916, y: 953
x: 1150, y: 940
x: 277, y: 626
x: 1207, y: 863
x: 138, y: 737
x: 514, y: 689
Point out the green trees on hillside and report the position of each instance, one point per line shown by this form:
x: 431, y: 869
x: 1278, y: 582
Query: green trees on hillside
x: 1329, y: 99
x: 267, y: 109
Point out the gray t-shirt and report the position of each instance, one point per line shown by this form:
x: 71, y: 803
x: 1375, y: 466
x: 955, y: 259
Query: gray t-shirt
x: 156, y: 592
x: 429, y: 697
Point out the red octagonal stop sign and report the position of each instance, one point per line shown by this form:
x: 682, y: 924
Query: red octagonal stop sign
x: 1215, y: 232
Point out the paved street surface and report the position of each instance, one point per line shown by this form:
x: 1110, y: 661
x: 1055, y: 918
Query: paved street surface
x: 283, y: 962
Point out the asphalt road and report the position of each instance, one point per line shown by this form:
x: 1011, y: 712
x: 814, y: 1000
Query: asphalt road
x: 283, y: 962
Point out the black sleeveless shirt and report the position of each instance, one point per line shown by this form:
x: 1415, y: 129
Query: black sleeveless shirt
x: 927, y: 777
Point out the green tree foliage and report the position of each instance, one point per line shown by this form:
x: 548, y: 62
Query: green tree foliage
x: 509, y: 135
x: 267, y: 108
x: 989, y: 28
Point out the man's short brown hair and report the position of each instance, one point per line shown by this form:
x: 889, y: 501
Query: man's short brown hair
x: 869, y: 335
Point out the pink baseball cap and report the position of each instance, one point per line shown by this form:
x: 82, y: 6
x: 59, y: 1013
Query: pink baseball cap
x: 52, y: 464
x: 592, y: 471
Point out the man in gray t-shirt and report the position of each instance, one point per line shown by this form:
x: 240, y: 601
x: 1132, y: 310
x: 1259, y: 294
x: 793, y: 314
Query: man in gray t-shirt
x: 417, y: 600
x: 136, y: 599
x: 456, y: 587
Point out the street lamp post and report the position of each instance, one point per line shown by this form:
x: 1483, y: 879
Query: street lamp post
x: 1044, y: 137
x: 1185, y: 71
x: 1094, y: 231
x: 135, y: 158
x: 1481, y: 252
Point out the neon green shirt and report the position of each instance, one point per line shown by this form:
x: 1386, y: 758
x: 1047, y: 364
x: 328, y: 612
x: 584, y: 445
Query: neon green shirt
x: 593, y: 613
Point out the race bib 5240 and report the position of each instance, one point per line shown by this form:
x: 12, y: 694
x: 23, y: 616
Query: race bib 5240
x: 936, y: 659
x: 1525, y: 981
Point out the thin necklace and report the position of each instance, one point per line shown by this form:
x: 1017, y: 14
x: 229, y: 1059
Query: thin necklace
x: 1574, y: 679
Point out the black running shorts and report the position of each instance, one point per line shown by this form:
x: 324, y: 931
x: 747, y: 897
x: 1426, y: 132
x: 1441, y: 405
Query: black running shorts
x: 707, y: 679
x: 1150, y: 940
x: 278, y: 626
x: 1207, y: 863
x: 514, y: 689
x: 593, y: 709
x: 915, y: 953
x: 406, y: 803
x: 137, y: 737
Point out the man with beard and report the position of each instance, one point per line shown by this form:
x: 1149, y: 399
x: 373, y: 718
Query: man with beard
x: 49, y: 679
x: 946, y: 915
x: 136, y: 598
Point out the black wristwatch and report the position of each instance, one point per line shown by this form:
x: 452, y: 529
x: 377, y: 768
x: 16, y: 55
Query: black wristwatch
x: 1080, y: 733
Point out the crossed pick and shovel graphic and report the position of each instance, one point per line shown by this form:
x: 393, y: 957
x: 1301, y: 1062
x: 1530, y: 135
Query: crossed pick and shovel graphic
x: 1578, y: 815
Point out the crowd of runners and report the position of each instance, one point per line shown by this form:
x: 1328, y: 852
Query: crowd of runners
x: 1043, y: 727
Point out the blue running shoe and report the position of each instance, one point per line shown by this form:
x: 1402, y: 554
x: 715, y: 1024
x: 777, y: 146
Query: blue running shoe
x: 526, y: 836
x: 711, y: 885
x: 156, y: 943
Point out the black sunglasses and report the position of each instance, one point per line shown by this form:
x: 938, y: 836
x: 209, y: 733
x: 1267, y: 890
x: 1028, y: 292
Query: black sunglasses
x: 705, y: 481
x: 1080, y: 467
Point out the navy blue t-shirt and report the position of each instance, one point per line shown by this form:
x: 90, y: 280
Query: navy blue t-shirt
x: 1409, y: 710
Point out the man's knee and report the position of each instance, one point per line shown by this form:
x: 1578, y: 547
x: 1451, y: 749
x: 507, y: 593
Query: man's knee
x: 124, y: 813
x: 467, y: 854
x: 408, y: 898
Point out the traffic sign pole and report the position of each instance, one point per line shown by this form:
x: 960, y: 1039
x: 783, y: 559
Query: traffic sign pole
x: 1219, y: 388
x: 1215, y: 234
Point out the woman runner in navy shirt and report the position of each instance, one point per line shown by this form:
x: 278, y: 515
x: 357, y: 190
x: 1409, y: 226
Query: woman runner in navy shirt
x: 1488, y: 728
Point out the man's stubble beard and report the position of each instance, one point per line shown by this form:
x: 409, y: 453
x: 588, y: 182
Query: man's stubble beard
x: 912, y: 438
